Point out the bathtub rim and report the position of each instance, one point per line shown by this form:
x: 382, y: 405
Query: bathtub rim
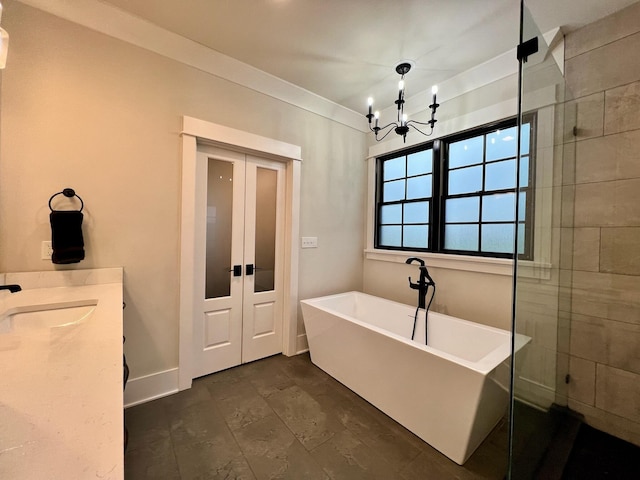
x: 484, y: 365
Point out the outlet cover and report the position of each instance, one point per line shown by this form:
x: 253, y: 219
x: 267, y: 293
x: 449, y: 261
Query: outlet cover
x: 46, y: 250
x: 309, y: 242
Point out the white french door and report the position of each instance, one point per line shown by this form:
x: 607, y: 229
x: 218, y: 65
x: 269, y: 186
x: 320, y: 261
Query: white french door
x: 240, y: 253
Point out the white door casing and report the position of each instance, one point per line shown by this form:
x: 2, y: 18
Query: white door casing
x: 197, y: 133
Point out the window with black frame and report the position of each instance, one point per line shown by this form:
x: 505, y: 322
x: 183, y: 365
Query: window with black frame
x: 457, y: 194
x: 405, y: 188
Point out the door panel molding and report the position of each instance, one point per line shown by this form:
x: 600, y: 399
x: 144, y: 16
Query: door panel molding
x: 201, y: 135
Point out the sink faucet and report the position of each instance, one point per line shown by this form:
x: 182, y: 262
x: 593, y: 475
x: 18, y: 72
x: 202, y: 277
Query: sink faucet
x: 422, y: 286
x: 11, y: 288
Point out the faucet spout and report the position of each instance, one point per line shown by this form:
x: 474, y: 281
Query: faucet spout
x: 12, y: 288
x: 410, y: 260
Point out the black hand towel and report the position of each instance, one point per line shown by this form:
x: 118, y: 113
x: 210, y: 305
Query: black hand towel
x: 66, y: 236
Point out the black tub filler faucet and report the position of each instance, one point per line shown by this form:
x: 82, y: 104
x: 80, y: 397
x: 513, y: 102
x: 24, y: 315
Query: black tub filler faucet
x: 423, y: 287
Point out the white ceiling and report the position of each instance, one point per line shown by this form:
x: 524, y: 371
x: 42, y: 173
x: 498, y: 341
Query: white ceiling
x: 346, y: 50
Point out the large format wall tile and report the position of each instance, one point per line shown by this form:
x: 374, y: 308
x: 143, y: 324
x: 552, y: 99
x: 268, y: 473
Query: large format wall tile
x: 603, y: 68
x: 586, y: 249
x: 583, y: 380
x: 606, y: 341
x: 605, y: 295
x: 618, y: 392
x: 584, y: 117
x: 607, y: 204
x: 565, y: 159
x: 612, y: 157
x: 620, y: 250
x: 604, y: 31
x: 622, y: 108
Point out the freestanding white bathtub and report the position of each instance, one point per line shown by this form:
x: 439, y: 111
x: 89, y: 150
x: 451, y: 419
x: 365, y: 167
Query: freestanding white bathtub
x: 451, y: 393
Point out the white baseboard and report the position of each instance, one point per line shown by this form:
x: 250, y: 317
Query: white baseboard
x: 150, y: 387
x: 301, y: 344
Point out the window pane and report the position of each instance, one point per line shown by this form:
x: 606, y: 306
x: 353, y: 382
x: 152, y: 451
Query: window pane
x: 419, y: 163
x: 522, y: 212
x: 521, y: 238
x: 499, y: 208
x: 391, y: 214
x: 524, y: 171
x: 502, y: 144
x: 465, y: 152
x: 416, y: 236
x: 390, y: 236
x: 501, y: 175
x: 497, y: 238
x: 526, y: 138
x: 465, y: 180
x: 419, y: 187
x: 394, y: 168
x: 461, y: 237
x: 417, y: 212
x: 462, y: 209
x: 393, y: 191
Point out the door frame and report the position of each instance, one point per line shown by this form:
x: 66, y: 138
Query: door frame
x: 195, y: 132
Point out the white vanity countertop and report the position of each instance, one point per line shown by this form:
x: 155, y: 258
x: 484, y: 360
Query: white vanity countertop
x: 61, y: 413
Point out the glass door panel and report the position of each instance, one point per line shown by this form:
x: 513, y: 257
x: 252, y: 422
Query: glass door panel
x: 540, y: 299
x: 266, y: 203
x: 219, y: 222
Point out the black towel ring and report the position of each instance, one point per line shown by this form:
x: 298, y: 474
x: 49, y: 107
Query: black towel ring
x: 69, y: 193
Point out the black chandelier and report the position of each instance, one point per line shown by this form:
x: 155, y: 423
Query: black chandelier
x: 401, y: 126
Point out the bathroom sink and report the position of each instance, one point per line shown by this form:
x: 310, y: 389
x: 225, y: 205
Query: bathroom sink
x: 40, y: 317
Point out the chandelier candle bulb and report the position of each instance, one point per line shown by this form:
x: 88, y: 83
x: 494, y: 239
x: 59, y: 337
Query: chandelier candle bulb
x: 434, y: 90
x: 370, y: 102
x: 376, y: 116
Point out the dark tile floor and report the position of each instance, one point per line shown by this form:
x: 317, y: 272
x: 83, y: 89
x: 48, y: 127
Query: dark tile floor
x: 597, y: 455
x: 282, y: 417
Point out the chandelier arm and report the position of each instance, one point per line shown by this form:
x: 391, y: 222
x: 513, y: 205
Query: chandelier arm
x: 411, y: 124
x: 388, y: 131
x: 419, y: 123
x: 390, y: 126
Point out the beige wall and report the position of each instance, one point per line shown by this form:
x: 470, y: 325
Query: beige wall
x: 83, y: 110
x: 603, y: 74
x: 481, y: 297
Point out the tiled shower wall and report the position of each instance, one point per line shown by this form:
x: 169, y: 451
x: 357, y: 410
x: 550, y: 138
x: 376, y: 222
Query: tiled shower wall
x: 602, y: 67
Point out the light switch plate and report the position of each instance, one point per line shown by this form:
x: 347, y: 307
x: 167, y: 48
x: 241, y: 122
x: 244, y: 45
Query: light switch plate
x: 309, y: 242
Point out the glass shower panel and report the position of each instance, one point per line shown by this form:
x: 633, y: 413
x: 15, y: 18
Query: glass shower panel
x: 266, y: 203
x: 218, y: 241
x: 540, y: 299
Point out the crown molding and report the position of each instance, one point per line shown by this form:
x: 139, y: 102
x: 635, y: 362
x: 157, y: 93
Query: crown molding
x: 111, y: 21
x: 123, y: 26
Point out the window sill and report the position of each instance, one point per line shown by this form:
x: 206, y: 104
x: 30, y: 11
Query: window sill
x: 495, y: 266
